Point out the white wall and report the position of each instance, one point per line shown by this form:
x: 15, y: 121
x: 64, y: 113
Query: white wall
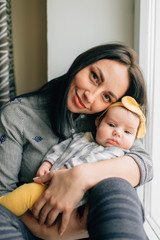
x: 74, y: 26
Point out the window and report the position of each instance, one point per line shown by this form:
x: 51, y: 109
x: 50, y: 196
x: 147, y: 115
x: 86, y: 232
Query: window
x: 149, y: 58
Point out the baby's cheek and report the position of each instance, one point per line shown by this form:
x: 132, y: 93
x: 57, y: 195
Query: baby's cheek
x: 126, y: 144
x: 100, y: 134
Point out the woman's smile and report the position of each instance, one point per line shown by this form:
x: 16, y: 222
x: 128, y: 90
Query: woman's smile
x: 78, y: 101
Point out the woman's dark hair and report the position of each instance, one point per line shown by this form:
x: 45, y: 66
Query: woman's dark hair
x: 60, y: 116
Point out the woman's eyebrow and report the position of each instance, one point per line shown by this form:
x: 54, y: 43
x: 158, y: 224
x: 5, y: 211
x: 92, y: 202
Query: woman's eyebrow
x: 101, y: 74
x: 103, y: 79
x: 113, y: 95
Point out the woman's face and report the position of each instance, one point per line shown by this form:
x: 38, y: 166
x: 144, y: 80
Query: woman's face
x: 98, y: 85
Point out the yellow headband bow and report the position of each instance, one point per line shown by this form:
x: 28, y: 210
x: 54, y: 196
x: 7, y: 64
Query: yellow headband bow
x: 130, y: 104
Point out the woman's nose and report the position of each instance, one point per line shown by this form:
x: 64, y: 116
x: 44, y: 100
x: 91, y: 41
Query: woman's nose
x: 89, y: 96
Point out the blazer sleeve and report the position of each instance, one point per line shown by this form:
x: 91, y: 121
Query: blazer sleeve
x: 144, y: 161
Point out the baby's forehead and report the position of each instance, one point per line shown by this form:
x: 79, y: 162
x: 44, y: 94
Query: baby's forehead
x: 120, y: 110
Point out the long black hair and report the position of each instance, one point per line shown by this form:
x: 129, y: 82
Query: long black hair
x: 60, y: 117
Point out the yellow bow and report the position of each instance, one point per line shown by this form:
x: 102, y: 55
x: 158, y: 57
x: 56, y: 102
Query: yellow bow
x: 130, y: 104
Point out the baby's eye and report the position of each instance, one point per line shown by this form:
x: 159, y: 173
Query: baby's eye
x: 111, y: 125
x: 94, y: 76
x: 107, y: 98
x: 128, y: 132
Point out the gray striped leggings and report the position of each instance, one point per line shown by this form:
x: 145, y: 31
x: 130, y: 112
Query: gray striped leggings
x: 115, y: 213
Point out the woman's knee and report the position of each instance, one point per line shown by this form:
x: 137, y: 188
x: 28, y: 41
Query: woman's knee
x: 114, y: 191
x: 111, y: 186
x: 114, y: 211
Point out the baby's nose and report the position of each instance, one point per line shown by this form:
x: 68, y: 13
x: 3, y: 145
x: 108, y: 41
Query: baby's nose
x: 117, y: 132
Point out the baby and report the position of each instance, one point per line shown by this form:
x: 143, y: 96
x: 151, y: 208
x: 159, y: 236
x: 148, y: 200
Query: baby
x: 117, y: 128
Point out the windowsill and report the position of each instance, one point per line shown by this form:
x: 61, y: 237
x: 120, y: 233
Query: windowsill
x: 150, y: 232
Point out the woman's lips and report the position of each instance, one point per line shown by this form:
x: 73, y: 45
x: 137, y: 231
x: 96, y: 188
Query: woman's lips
x: 78, y: 101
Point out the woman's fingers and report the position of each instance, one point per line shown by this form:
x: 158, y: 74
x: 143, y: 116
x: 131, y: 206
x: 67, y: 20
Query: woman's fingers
x: 43, y: 179
x: 45, y: 196
x: 43, y: 206
x: 52, y: 216
x: 48, y: 214
x: 65, y: 221
x: 38, y: 206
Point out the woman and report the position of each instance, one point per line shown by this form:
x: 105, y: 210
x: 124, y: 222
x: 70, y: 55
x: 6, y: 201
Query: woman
x: 31, y: 124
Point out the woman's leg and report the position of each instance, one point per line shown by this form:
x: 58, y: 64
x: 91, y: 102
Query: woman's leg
x: 11, y: 227
x: 115, y: 212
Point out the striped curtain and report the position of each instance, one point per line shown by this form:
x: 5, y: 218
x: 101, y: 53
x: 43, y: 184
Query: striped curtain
x: 7, y: 80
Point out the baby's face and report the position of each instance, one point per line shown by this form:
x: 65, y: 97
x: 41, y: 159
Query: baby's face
x: 118, y: 128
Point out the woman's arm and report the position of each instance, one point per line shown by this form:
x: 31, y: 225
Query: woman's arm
x: 123, y: 167
x: 67, y: 187
x: 75, y: 230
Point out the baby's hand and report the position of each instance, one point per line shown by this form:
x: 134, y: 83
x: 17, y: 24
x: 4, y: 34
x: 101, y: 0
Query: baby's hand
x: 44, y: 168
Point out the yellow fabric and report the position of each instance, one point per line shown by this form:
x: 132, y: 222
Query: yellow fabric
x: 23, y: 198
x: 130, y: 104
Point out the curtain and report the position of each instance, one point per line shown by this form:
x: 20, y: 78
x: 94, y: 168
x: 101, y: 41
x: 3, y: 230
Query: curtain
x: 7, y: 79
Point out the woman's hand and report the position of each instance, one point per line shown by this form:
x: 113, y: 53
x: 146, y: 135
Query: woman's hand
x: 65, y: 190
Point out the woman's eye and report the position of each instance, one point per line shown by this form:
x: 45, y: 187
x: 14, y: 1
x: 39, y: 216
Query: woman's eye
x: 94, y: 76
x: 107, y: 98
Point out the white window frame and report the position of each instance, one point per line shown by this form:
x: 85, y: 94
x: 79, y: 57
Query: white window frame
x: 149, y: 51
